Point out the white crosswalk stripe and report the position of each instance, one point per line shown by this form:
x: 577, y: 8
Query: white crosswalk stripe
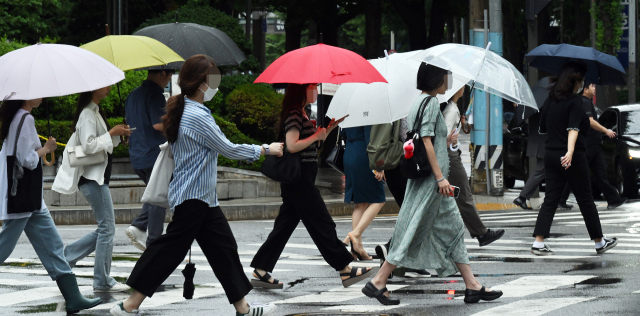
x: 532, y: 307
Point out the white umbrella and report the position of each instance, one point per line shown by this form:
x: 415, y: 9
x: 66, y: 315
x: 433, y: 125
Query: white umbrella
x: 378, y: 102
x: 483, y: 69
x: 52, y: 70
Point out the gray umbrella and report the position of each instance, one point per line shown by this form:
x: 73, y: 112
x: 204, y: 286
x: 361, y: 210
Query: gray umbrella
x: 188, y: 39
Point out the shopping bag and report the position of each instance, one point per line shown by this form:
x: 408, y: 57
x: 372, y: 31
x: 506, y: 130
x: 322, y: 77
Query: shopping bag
x: 157, y: 191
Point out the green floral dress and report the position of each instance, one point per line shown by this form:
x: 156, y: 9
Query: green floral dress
x: 429, y: 231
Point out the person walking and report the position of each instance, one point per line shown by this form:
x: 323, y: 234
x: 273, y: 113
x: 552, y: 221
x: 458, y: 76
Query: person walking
x: 144, y: 110
x: 564, y: 120
x: 594, y: 152
x: 302, y: 201
x: 196, y: 141
x: 458, y: 177
x: 18, y: 126
x: 429, y: 232
x: 92, y: 133
x: 362, y: 187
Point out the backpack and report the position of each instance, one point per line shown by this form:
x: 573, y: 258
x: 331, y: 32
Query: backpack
x: 385, y: 149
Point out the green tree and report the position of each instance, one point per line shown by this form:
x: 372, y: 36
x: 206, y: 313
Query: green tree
x: 30, y: 20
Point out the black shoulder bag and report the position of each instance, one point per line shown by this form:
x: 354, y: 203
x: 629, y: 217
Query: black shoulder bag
x: 418, y: 165
x: 24, y: 185
x: 336, y: 157
x: 285, y: 169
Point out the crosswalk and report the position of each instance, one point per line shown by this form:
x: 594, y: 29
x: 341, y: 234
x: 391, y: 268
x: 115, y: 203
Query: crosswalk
x: 23, y: 282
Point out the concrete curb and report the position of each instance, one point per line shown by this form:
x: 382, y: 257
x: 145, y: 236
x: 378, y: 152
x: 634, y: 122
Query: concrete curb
x: 234, y: 210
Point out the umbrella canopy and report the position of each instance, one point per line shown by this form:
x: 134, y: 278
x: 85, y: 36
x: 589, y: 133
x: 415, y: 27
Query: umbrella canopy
x: 378, y: 102
x: 320, y: 64
x: 188, y: 39
x: 483, y: 69
x: 602, y: 68
x: 129, y: 52
x: 53, y: 70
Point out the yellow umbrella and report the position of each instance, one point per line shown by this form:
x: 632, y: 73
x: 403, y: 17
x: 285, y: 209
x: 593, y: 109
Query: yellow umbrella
x: 129, y: 52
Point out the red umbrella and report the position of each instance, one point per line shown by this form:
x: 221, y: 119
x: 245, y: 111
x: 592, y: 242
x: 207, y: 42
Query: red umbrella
x: 320, y: 63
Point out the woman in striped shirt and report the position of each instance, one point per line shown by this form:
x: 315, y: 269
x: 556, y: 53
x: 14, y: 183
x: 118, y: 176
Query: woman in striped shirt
x: 302, y: 201
x: 196, y: 141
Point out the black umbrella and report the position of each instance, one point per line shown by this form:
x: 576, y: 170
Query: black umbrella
x: 602, y: 69
x: 188, y: 39
x: 189, y: 272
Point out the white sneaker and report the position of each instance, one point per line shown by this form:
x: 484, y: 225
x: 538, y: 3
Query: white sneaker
x: 257, y: 309
x: 138, y: 237
x: 118, y: 310
x: 118, y: 287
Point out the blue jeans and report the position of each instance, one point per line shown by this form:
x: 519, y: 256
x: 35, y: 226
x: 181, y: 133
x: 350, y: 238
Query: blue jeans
x: 151, y: 217
x: 44, y: 238
x: 100, y: 240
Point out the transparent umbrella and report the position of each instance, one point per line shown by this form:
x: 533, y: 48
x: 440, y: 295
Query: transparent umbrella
x: 482, y: 69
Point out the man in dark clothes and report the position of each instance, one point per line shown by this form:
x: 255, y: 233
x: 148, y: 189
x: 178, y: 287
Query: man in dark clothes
x: 145, y: 107
x: 535, y: 149
x: 594, y: 152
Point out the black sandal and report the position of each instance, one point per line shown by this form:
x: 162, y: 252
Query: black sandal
x: 263, y: 281
x: 353, y: 276
x: 371, y: 290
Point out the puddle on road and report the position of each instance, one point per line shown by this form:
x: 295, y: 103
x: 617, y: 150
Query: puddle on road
x: 600, y: 281
x: 45, y: 308
x: 592, y: 266
x: 298, y: 281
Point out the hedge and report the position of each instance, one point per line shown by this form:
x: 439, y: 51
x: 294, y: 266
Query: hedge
x: 61, y: 131
x: 255, y: 108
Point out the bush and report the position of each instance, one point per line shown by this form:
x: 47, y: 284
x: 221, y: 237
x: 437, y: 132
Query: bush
x: 227, y: 85
x: 61, y: 130
x: 255, y: 108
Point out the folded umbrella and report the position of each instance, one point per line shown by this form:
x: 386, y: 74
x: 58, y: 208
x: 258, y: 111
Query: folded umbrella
x: 602, y: 69
x: 189, y: 272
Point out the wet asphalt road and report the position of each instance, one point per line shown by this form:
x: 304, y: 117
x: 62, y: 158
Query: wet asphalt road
x: 575, y: 281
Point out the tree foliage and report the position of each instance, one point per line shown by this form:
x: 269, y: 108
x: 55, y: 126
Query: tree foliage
x: 30, y: 20
x: 608, y: 25
x: 255, y: 109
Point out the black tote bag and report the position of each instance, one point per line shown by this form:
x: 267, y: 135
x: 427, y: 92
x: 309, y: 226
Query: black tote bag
x: 285, y: 169
x: 24, y: 185
x: 418, y: 165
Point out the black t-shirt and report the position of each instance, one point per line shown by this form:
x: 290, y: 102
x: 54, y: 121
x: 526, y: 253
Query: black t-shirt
x: 557, y: 117
x: 594, y: 138
x: 300, y: 122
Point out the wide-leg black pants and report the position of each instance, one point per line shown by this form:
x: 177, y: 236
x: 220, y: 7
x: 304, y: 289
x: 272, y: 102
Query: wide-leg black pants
x: 577, y: 176
x: 193, y: 220
x: 302, y: 202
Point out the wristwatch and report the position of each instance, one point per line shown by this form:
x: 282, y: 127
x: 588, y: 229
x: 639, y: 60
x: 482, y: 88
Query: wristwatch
x: 266, y: 149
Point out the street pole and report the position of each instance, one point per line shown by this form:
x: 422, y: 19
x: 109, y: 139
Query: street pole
x: 487, y: 132
x: 247, y: 22
x: 631, y: 83
x: 463, y: 32
x: 593, y: 24
x: 393, y: 41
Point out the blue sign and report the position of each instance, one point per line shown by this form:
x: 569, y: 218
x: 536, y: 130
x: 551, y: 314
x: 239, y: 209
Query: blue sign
x: 623, y: 51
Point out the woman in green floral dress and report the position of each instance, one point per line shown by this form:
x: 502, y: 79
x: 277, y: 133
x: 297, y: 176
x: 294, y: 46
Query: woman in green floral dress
x: 429, y: 232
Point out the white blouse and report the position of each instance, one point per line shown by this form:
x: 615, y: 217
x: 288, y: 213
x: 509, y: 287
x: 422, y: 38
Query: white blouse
x: 94, y: 137
x: 26, y: 154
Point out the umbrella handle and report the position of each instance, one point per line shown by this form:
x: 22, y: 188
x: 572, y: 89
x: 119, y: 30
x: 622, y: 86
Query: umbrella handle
x: 52, y: 161
x: 466, y: 130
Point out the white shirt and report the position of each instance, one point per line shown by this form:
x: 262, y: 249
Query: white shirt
x: 451, y: 116
x: 94, y: 137
x: 28, y: 143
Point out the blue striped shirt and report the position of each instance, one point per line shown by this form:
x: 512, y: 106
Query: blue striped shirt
x: 196, y: 150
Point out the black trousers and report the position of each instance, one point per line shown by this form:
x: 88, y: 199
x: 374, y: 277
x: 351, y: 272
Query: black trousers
x: 598, y: 167
x: 302, y: 202
x: 557, y: 177
x: 397, y: 184
x: 193, y: 220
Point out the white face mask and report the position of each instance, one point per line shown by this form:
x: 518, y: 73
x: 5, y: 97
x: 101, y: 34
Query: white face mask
x: 581, y: 88
x: 209, y: 94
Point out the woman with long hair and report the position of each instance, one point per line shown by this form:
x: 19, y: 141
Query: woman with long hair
x: 91, y: 132
x: 196, y: 140
x: 302, y: 201
x: 362, y: 187
x: 566, y: 124
x: 36, y: 224
x: 429, y: 232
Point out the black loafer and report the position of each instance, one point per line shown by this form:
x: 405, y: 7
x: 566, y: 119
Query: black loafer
x: 370, y: 290
x: 473, y: 296
x: 616, y: 204
x: 520, y: 201
x: 490, y: 236
x: 565, y: 206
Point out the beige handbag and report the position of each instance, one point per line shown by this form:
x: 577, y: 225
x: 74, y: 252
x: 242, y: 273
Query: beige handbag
x: 78, y: 158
